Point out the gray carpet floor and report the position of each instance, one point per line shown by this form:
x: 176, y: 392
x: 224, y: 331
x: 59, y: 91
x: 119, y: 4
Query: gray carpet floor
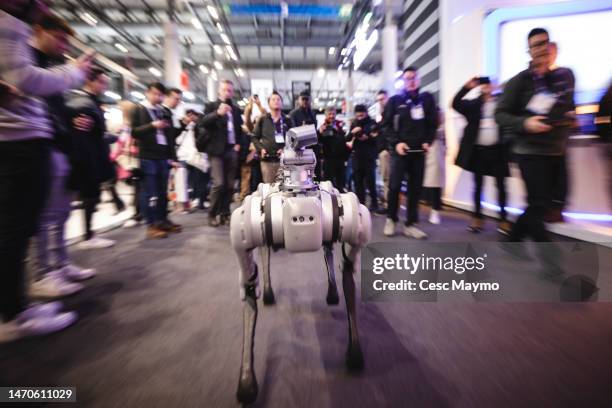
x: 161, y: 326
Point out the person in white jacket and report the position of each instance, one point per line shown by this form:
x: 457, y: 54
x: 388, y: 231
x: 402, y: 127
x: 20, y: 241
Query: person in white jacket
x: 25, y: 136
x: 435, y: 172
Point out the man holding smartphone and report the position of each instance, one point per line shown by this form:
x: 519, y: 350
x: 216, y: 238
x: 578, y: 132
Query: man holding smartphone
x: 410, y: 122
x: 152, y: 128
x: 25, y: 138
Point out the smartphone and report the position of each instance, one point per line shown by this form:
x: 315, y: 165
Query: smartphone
x: 484, y: 80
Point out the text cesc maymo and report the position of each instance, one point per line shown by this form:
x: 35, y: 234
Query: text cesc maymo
x: 425, y: 285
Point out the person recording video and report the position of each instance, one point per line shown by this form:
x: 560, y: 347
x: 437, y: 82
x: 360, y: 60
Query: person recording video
x: 334, y: 150
x: 481, y: 150
x: 363, y: 135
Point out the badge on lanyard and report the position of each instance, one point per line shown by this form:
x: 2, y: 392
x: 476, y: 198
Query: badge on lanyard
x: 542, y: 103
x: 278, y: 136
x: 417, y: 113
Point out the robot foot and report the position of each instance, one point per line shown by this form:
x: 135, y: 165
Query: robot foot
x: 247, y: 388
x: 354, y: 357
x: 268, y: 296
x: 332, y: 295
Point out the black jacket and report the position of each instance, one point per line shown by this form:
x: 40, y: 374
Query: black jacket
x: 211, y: 131
x: 264, y: 135
x: 333, y: 141
x: 92, y: 164
x: 512, y: 112
x: 399, y: 126
x: 604, y: 127
x: 368, y: 148
x: 302, y: 117
x: 146, y: 135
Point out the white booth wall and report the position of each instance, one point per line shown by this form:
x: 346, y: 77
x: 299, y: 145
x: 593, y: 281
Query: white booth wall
x: 462, y: 57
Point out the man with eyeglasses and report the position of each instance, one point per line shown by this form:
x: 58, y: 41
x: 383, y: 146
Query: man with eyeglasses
x: 536, y: 113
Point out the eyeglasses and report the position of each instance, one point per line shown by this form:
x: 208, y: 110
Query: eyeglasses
x: 539, y: 44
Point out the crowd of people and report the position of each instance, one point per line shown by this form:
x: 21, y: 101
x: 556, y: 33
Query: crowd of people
x: 55, y: 146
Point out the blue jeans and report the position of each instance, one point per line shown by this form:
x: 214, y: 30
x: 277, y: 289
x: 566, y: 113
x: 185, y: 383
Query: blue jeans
x: 51, y: 250
x: 154, y: 190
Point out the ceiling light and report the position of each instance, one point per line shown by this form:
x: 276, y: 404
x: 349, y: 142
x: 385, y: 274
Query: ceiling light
x: 218, y: 49
x: 225, y: 38
x: 204, y: 69
x: 196, y: 23
x: 218, y: 65
x: 219, y: 27
x: 121, y: 47
x: 155, y: 71
x: 213, y: 12
x: 112, y: 95
x: 321, y: 72
x: 240, y: 72
x: 189, y: 95
x: 137, y: 95
x: 189, y: 61
x: 343, y: 52
x: 89, y: 19
x: 213, y: 74
x: 332, y: 50
x: 231, y: 52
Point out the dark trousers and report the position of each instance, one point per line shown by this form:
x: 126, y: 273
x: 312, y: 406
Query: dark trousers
x: 89, y: 208
x: 364, y: 174
x: 256, y: 176
x: 198, y: 181
x: 334, y: 171
x: 434, y: 196
x: 223, y: 173
x: 561, y: 184
x: 500, y: 182
x: 24, y: 182
x: 413, y: 166
x: 154, y: 190
x: 539, y: 175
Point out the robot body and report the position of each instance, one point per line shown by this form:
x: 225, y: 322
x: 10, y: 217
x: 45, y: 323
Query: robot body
x: 300, y: 216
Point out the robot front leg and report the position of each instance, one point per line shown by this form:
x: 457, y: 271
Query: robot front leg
x: 354, y: 355
x: 268, y: 292
x: 247, y: 384
x: 332, y: 289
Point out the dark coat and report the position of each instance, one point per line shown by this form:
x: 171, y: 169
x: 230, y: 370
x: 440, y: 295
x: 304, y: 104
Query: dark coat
x: 471, y: 109
x: 366, y: 149
x: 264, y: 135
x: 146, y: 135
x: 398, y: 125
x: 211, y: 131
x: 333, y: 141
x: 512, y: 112
x: 92, y: 165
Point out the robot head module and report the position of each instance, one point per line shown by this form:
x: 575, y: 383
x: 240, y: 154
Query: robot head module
x: 301, y: 137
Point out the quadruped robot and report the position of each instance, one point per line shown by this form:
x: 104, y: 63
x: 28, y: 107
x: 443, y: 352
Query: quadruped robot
x: 300, y: 216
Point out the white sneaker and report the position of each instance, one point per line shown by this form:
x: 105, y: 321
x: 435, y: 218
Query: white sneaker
x: 38, y: 325
x: 74, y: 273
x: 42, y: 309
x: 414, y: 232
x: 206, y: 205
x: 389, y: 229
x: 434, y: 217
x: 53, y: 285
x: 96, y: 243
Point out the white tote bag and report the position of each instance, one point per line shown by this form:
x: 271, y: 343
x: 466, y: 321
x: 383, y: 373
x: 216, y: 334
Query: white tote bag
x: 188, y: 153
